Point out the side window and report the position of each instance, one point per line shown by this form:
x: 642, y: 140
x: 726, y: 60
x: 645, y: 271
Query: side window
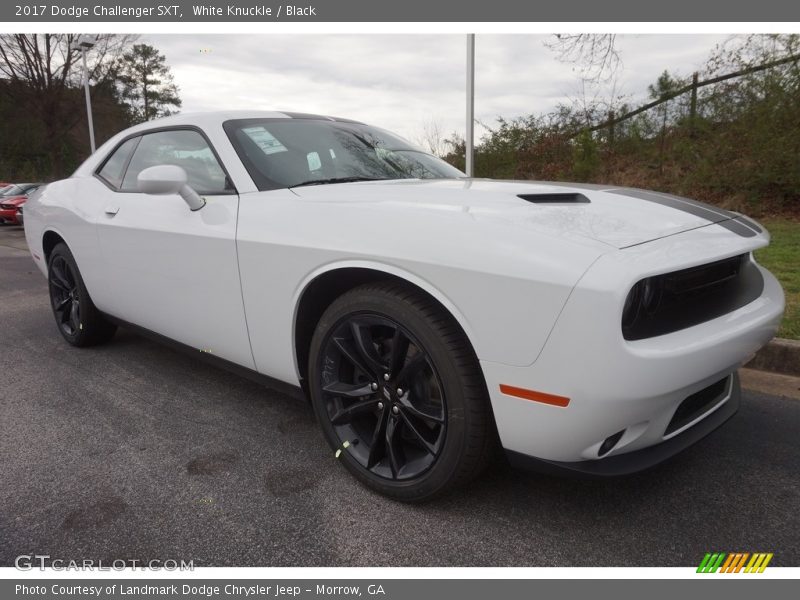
x: 183, y: 148
x: 114, y: 167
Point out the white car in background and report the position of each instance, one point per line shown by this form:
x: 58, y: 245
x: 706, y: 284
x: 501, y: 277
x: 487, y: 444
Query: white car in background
x: 426, y: 315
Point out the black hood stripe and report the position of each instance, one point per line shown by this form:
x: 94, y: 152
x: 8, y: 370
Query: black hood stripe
x: 736, y: 226
x: 750, y: 223
x: 699, y: 209
x: 693, y: 207
x: 713, y: 214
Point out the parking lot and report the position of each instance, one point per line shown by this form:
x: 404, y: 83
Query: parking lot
x: 136, y: 451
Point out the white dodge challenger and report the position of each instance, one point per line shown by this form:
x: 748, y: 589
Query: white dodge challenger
x: 590, y: 329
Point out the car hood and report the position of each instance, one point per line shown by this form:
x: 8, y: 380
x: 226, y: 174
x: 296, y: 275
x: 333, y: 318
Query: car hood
x: 619, y: 217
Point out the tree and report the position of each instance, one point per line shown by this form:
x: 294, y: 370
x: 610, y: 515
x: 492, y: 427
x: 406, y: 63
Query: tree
x: 664, y: 88
x: 42, y: 73
x: 585, y: 157
x: 147, y: 84
x: 595, y: 56
x: 432, y: 139
x: 457, y: 156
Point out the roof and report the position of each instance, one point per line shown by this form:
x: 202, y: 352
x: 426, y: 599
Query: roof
x: 211, y: 122
x: 205, y: 118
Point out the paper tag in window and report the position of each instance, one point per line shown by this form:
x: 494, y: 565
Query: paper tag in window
x: 264, y: 140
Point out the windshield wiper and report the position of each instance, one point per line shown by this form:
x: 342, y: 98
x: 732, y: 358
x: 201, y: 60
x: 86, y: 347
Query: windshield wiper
x: 337, y: 180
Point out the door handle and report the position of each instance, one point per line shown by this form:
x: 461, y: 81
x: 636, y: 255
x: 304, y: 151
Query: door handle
x: 111, y: 210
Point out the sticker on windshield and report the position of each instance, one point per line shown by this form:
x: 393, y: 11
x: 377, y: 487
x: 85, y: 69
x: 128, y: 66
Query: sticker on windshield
x: 264, y: 140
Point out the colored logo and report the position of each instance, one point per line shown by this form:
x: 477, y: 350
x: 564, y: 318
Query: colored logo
x: 734, y: 562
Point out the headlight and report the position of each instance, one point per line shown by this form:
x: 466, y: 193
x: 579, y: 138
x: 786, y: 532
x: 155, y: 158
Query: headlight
x: 643, y: 300
x: 651, y: 294
x: 630, y: 313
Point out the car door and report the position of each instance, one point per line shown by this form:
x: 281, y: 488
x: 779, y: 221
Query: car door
x: 167, y: 268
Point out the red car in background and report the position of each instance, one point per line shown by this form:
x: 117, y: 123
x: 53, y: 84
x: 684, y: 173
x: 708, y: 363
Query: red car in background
x: 11, y: 198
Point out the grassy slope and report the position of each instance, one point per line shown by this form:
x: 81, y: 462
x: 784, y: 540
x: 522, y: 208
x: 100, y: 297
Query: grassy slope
x: 782, y: 257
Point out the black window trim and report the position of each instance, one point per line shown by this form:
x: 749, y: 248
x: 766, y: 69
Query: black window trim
x: 102, y: 166
x: 140, y: 134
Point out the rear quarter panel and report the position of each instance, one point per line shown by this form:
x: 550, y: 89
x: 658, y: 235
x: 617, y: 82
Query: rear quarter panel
x: 68, y: 208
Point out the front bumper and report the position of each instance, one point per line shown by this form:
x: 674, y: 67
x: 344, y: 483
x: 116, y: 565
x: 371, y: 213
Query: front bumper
x: 638, y: 460
x: 8, y: 216
x: 631, y: 388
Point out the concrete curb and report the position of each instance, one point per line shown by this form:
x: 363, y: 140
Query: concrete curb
x: 771, y: 384
x: 779, y: 356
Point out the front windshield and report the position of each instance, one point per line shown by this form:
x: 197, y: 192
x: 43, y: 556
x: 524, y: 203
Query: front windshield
x: 280, y: 153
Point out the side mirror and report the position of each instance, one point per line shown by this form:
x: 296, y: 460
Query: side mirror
x: 169, y: 179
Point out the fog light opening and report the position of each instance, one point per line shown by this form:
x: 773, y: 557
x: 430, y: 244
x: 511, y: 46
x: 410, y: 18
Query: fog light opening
x: 609, y: 443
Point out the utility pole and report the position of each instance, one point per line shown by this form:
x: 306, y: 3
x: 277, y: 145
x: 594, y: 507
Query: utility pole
x: 470, y: 136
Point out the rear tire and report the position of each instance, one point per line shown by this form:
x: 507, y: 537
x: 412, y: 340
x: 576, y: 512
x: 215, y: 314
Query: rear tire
x: 77, y: 318
x: 396, y: 386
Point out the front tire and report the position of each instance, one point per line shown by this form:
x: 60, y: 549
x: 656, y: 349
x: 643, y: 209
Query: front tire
x: 78, y: 320
x: 396, y: 386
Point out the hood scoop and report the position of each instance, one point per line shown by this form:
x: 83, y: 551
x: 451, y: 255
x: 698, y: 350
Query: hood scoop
x: 557, y: 198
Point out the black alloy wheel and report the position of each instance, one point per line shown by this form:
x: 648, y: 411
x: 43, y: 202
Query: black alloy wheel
x: 78, y: 320
x: 65, y: 296
x: 398, y: 392
x: 383, y: 396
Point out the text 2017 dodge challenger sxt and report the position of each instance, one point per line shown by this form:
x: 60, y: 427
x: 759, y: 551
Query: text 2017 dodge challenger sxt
x: 593, y: 329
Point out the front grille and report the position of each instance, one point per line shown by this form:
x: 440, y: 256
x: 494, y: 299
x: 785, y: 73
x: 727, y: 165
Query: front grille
x: 697, y: 404
x: 673, y: 301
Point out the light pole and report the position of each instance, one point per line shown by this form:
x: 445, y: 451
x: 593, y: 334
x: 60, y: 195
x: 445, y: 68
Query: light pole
x: 470, y: 104
x: 83, y: 46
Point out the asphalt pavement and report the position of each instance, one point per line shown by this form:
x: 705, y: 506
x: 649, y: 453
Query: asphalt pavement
x: 134, y: 450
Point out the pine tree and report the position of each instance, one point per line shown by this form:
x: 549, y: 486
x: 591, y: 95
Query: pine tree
x: 147, y: 85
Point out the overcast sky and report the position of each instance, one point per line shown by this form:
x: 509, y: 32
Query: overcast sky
x: 403, y: 82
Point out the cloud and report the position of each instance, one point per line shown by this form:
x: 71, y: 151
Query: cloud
x: 403, y: 82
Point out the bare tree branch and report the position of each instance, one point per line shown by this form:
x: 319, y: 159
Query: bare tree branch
x: 42, y: 69
x: 594, y: 56
x: 433, y: 139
